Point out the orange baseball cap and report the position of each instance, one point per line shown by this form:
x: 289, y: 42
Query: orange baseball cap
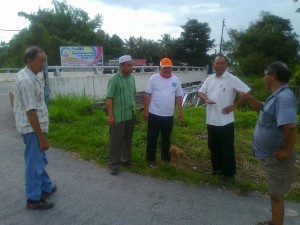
x: 166, y: 62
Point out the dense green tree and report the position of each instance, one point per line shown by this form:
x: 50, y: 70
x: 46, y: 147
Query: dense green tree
x: 166, y: 42
x: 140, y: 47
x: 191, y: 47
x: 50, y: 29
x: 143, y: 49
x: 269, y: 38
x: 114, y: 47
x: 70, y: 23
x: 65, y: 25
x: 151, y: 51
x: 194, y: 43
x: 130, y: 46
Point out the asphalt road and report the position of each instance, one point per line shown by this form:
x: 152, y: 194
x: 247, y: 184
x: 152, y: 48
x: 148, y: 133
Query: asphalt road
x: 88, y: 195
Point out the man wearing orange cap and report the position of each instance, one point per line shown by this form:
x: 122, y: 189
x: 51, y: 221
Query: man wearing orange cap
x: 163, y: 90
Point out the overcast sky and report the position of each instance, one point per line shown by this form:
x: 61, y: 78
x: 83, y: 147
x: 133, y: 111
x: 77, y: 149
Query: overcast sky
x: 151, y: 19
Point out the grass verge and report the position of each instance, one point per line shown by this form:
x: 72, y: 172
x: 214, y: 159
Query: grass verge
x: 79, y: 128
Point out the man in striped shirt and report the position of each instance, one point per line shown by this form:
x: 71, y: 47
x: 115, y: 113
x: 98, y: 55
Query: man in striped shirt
x: 120, y: 104
x: 32, y: 123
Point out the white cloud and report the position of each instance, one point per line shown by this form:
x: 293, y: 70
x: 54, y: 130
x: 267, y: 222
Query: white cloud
x: 207, y: 8
x: 150, y: 24
x: 151, y: 19
x: 9, y: 19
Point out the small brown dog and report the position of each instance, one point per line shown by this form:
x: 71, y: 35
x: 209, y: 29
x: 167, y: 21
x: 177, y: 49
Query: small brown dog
x: 176, y: 154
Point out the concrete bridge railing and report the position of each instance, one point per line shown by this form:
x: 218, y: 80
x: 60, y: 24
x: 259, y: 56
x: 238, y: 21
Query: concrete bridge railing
x: 95, y: 85
x: 93, y: 80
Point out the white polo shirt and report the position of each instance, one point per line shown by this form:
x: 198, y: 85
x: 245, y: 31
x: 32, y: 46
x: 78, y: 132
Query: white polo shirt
x: 163, y: 93
x: 221, y: 91
x: 29, y: 94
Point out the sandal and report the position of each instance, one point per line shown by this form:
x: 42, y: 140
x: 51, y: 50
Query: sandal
x: 265, y: 223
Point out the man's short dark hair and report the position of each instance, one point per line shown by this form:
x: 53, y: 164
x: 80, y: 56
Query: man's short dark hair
x: 222, y: 56
x: 31, y: 53
x: 281, y: 71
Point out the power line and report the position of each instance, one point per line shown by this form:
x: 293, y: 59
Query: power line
x: 8, y: 30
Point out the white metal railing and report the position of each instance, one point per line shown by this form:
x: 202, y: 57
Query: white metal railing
x: 105, y: 69
x: 9, y: 70
x: 113, y: 69
x: 190, y: 96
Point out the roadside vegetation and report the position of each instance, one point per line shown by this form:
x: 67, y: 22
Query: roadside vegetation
x: 248, y: 50
x: 78, y: 126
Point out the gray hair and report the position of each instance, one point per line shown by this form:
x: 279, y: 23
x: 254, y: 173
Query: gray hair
x: 31, y: 53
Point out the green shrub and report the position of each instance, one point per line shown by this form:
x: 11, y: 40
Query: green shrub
x: 296, y: 76
x: 66, y: 108
x: 59, y: 114
x: 246, y: 119
x: 258, y: 88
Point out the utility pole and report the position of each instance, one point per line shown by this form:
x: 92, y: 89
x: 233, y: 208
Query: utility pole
x: 46, y: 85
x: 221, y: 42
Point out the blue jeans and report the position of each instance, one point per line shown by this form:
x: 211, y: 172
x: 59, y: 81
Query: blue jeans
x: 36, y: 178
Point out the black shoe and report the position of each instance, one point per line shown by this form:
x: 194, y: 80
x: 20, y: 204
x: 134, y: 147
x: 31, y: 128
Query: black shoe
x: 226, y: 179
x: 40, y: 204
x: 47, y: 194
x: 212, y: 172
x: 128, y: 163
x: 113, y: 171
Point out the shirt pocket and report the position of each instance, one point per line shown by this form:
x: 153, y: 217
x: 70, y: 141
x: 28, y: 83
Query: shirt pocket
x: 268, y: 120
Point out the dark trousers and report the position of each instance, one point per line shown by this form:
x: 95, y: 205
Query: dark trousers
x: 221, y: 146
x: 156, y: 124
x: 120, y: 142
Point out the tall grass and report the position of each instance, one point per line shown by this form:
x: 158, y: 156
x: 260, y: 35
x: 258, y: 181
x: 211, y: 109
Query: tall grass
x: 76, y: 125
